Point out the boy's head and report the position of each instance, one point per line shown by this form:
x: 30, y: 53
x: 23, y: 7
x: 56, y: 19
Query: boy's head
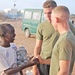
x: 48, y: 7
x: 7, y: 32
x: 60, y: 15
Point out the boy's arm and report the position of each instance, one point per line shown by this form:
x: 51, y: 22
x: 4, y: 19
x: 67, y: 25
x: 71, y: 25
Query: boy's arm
x: 11, y: 71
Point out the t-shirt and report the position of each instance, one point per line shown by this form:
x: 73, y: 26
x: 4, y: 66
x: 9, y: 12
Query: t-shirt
x: 64, y: 49
x: 72, y: 28
x: 7, y: 57
x: 49, y: 36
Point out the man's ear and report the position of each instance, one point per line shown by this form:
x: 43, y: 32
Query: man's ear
x: 57, y: 20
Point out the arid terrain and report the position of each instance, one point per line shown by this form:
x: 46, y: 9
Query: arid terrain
x: 21, y: 40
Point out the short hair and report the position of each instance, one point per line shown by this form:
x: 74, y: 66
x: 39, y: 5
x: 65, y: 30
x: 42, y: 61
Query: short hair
x: 49, y: 3
x: 4, y: 28
x: 62, y: 11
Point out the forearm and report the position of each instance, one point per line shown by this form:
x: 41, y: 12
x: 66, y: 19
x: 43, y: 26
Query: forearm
x: 46, y: 61
x: 63, y: 73
x: 37, y: 48
x: 11, y: 71
x: 37, y: 51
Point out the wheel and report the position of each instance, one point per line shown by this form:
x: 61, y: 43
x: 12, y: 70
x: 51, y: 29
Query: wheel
x: 27, y: 33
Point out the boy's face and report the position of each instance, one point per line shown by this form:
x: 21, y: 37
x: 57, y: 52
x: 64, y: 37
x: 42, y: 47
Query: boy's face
x: 47, y: 13
x: 10, y: 35
x: 54, y: 21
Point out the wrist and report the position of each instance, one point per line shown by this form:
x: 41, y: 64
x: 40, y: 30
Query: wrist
x: 43, y: 61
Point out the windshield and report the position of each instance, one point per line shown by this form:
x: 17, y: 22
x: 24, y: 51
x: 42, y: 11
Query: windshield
x: 27, y: 15
x: 36, y: 16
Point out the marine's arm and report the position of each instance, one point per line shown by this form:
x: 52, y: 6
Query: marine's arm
x: 37, y: 50
x: 64, y: 67
x: 65, y: 57
x: 43, y: 61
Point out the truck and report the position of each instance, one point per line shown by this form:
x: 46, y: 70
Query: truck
x: 31, y: 19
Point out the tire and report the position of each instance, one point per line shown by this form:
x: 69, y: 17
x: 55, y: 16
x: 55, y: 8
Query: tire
x: 27, y: 33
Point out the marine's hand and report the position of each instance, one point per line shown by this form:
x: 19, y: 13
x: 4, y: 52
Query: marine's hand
x: 40, y: 59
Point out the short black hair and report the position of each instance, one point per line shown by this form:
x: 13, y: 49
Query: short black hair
x: 4, y: 28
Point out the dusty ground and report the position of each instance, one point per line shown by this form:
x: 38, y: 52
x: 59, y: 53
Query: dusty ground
x: 21, y: 40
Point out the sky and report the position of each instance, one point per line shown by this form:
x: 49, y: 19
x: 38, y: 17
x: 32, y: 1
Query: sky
x: 22, y: 4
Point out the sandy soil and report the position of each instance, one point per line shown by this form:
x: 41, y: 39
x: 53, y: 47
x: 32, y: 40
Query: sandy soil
x: 21, y: 40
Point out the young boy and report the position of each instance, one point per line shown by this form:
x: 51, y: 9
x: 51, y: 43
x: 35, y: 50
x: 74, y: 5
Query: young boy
x: 7, y: 48
x: 9, y: 56
x: 64, y: 50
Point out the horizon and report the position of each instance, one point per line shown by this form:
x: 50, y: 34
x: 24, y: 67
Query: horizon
x: 23, y: 4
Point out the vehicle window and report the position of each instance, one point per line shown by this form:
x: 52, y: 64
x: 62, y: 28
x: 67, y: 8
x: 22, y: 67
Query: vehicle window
x: 43, y: 17
x: 27, y: 15
x: 36, y: 15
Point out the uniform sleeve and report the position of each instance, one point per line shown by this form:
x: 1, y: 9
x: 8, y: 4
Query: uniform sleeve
x: 72, y: 27
x: 3, y: 63
x: 39, y: 33
x: 65, y: 51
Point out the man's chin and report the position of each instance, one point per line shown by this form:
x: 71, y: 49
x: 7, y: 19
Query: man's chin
x: 49, y: 20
